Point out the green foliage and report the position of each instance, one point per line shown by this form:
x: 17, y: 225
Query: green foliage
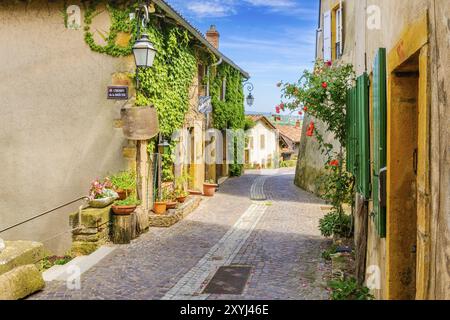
x: 288, y: 163
x: 124, y: 180
x: 51, y: 261
x: 130, y: 201
x: 349, y: 289
x: 335, y: 223
x: 229, y: 113
x: 120, y: 22
x: 248, y: 124
x: 322, y: 93
x: 326, y: 254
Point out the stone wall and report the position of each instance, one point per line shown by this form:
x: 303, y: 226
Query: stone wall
x: 92, y: 231
x: 360, y: 46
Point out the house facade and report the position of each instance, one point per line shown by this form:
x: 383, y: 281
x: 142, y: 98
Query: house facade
x: 400, y: 51
x: 289, y: 140
x: 59, y: 131
x: 262, y: 148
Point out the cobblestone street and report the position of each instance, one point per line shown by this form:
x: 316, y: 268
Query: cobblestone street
x: 276, y: 235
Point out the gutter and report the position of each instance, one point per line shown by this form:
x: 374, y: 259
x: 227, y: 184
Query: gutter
x: 198, y: 35
x: 318, y: 28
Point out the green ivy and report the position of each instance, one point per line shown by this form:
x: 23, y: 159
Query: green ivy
x: 120, y: 22
x: 229, y: 113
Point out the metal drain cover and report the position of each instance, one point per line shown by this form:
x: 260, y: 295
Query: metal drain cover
x: 229, y: 280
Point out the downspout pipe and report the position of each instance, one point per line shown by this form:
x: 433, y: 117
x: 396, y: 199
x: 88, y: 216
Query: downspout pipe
x: 207, y: 74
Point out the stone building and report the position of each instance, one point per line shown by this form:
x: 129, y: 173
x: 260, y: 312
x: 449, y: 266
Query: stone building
x: 401, y: 51
x: 58, y: 130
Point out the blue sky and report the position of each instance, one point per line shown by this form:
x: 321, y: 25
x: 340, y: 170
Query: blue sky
x: 273, y: 40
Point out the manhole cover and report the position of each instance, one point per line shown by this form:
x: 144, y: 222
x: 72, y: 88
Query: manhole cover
x: 229, y: 280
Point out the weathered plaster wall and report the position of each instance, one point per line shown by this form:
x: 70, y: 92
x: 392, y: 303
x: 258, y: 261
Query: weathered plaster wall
x: 56, y: 128
x: 266, y: 155
x: 360, y: 46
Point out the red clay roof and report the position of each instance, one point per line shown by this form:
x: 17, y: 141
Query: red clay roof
x: 291, y: 132
x: 257, y: 117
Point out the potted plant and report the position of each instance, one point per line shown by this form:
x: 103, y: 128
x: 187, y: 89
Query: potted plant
x: 209, y: 188
x: 101, y: 194
x: 160, y: 205
x: 139, y: 122
x: 126, y: 206
x: 171, y: 200
x: 124, y: 183
x: 181, y: 195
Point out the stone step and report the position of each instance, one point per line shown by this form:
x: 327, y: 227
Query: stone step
x: 20, y: 253
x: 78, y: 265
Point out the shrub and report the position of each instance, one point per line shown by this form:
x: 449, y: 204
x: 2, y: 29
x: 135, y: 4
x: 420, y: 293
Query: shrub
x: 349, y: 289
x: 334, y: 223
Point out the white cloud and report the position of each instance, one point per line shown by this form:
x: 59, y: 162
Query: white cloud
x: 212, y: 8
x: 224, y: 8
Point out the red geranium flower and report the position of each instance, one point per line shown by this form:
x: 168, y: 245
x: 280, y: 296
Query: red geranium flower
x: 310, y: 130
x: 305, y: 109
x: 334, y: 163
x: 324, y: 85
x: 329, y: 63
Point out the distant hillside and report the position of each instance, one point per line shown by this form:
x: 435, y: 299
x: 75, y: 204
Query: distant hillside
x: 277, y: 118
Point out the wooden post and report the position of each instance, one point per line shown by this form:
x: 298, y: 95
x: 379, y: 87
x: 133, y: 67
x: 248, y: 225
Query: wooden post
x: 124, y: 228
x: 142, y: 185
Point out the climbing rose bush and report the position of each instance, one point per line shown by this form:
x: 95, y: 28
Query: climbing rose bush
x: 322, y: 94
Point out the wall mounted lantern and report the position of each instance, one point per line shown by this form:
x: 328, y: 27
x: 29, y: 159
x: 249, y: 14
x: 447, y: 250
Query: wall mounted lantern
x: 250, y: 98
x: 143, y: 50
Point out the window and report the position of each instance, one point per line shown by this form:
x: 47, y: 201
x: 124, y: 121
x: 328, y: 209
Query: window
x: 201, y: 76
x: 223, y: 90
x: 262, y: 141
x: 333, y: 36
x: 250, y: 143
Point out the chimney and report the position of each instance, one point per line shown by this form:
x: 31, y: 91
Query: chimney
x: 297, y: 124
x: 212, y: 35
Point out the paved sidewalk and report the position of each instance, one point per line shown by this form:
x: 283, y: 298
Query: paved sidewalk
x: 278, y: 237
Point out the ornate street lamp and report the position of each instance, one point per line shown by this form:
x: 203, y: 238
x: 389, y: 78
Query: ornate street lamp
x: 143, y: 50
x: 163, y: 147
x: 250, y: 98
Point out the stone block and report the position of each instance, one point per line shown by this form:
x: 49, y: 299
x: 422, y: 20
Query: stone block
x: 19, y: 253
x: 91, y: 217
x: 129, y: 153
x: 83, y: 248
x: 173, y: 216
x: 342, y: 265
x: 20, y: 282
x: 123, y: 39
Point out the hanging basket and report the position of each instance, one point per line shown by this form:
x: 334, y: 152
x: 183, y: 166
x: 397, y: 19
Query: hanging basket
x: 139, y: 123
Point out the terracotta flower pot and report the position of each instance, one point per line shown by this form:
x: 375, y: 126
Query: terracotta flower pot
x: 195, y: 192
x: 171, y: 204
x: 209, y: 189
x: 160, y: 207
x: 181, y: 199
x: 123, y: 210
x: 123, y: 194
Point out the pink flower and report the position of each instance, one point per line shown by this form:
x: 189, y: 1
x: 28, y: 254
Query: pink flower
x: 277, y: 109
x: 300, y: 113
x: 329, y: 63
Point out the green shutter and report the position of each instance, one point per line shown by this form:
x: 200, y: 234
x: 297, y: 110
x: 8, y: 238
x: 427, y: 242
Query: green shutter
x: 351, y: 131
x: 363, y: 149
x: 379, y: 132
